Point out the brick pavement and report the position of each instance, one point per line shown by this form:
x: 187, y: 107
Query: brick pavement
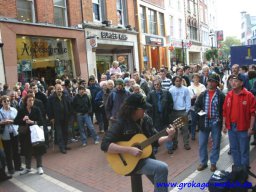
x: 88, y: 165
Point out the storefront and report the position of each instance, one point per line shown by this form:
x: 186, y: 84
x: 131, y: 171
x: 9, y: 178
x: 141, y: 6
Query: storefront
x: 44, y: 57
x: 34, y: 51
x: 105, y: 46
x: 195, y: 53
x: 154, y: 52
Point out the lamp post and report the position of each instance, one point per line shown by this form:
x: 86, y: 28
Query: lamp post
x: 211, y: 35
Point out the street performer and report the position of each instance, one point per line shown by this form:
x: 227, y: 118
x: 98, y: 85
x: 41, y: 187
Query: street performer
x: 131, y: 121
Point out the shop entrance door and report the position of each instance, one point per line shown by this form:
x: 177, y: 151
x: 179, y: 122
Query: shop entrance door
x: 103, y: 62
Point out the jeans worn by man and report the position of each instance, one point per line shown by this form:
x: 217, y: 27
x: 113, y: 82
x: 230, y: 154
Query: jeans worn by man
x: 83, y: 119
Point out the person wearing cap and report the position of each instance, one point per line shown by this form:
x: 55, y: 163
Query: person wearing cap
x: 208, y: 108
x: 115, y: 100
x: 131, y: 121
x: 238, y: 119
x: 82, y: 107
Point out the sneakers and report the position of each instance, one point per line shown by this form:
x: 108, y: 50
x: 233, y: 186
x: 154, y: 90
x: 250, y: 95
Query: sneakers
x: 213, y: 168
x: 187, y: 147
x: 96, y: 142
x: 170, y: 151
x: 201, y: 167
x: 25, y: 171
x: 40, y: 171
x: 84, y: 145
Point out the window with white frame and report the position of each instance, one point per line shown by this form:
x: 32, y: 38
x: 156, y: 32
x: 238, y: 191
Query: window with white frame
x: 161, y: 24
x: 142, y: 19
x: 188, y: 5
x: 60, y: 12
x: 25, y: 10
x: 171, y: 26
x: 152, y: 21
x: 96, y: 6
x: 120, y: 12
x: 180, y: 28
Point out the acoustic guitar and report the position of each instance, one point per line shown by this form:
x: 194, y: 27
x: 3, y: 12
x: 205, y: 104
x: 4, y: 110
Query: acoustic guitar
x: 125, y: 163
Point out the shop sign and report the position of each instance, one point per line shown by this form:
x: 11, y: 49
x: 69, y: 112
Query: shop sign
x: 157, y: 41
x: 117, y: 36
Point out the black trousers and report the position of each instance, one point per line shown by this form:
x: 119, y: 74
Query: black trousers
x: 11, y: 149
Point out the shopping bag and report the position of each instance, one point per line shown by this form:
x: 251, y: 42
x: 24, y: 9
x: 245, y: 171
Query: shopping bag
x: 37, y: 135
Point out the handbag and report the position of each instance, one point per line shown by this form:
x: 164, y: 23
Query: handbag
x: 37, y: 135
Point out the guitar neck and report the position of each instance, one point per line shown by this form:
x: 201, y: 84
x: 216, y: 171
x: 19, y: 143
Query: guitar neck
x: 152, y: 139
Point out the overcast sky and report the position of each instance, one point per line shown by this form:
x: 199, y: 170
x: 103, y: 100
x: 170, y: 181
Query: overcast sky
x: 228, y: 15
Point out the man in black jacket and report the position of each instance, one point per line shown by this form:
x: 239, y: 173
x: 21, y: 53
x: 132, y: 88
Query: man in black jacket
x: 162, y: 105
x: 58, y: 109
x: 82, y: 107
x: 209, y: 109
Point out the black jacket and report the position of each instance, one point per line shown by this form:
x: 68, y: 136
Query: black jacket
x: 81, y: 104
x: 200, y: 105
x: 160, y: 120
x: 59, y: 110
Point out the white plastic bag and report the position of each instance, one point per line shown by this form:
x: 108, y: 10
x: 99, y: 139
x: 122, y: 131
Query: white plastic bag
x: 37, y: 135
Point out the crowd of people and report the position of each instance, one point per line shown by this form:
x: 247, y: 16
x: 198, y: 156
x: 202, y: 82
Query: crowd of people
x: 212, y: 97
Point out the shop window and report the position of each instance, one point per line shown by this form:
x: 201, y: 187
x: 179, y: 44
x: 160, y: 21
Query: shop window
x: 152, y: 21
x: 60, y: 12
x: 44, y: 57
x: 161, y: 24
x: 98, y: 7
x: 104, y: 63
x: 25, y: 10
x: 142, y: 19
x: 121, y: 12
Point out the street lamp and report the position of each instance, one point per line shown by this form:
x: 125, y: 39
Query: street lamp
x: 183, y: 54
x: 211, y: 35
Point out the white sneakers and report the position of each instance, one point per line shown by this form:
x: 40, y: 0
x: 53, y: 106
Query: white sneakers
x: 40, y: 171
x: 25, y: 171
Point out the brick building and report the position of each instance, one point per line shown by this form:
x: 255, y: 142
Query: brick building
x: 65, y: 37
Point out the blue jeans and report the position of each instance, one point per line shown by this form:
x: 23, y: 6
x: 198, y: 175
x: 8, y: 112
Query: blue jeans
x: 215, y: 130
x: 239, y: 146
x: 156, y: 171
x: 86, y: 119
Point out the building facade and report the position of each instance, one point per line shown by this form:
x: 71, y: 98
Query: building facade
x: 40, y: 40
x: 151, y: 24
x: 110, y: 35
x: 54, y: 38
x: 247, y: 24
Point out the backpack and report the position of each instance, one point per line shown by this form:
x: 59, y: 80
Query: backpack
x: 234, y: 181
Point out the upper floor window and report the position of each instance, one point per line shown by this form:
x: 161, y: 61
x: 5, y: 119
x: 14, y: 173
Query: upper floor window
x: 171, y: 26
x: 152, y: 21
x: 60, y: 12
x: 180, y: 28
x: 120, y: 12
x: 98, y: 7
x: 161, y: 24
x: 25, y: 10
x: 188, y: 4
x: 142, y: 19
